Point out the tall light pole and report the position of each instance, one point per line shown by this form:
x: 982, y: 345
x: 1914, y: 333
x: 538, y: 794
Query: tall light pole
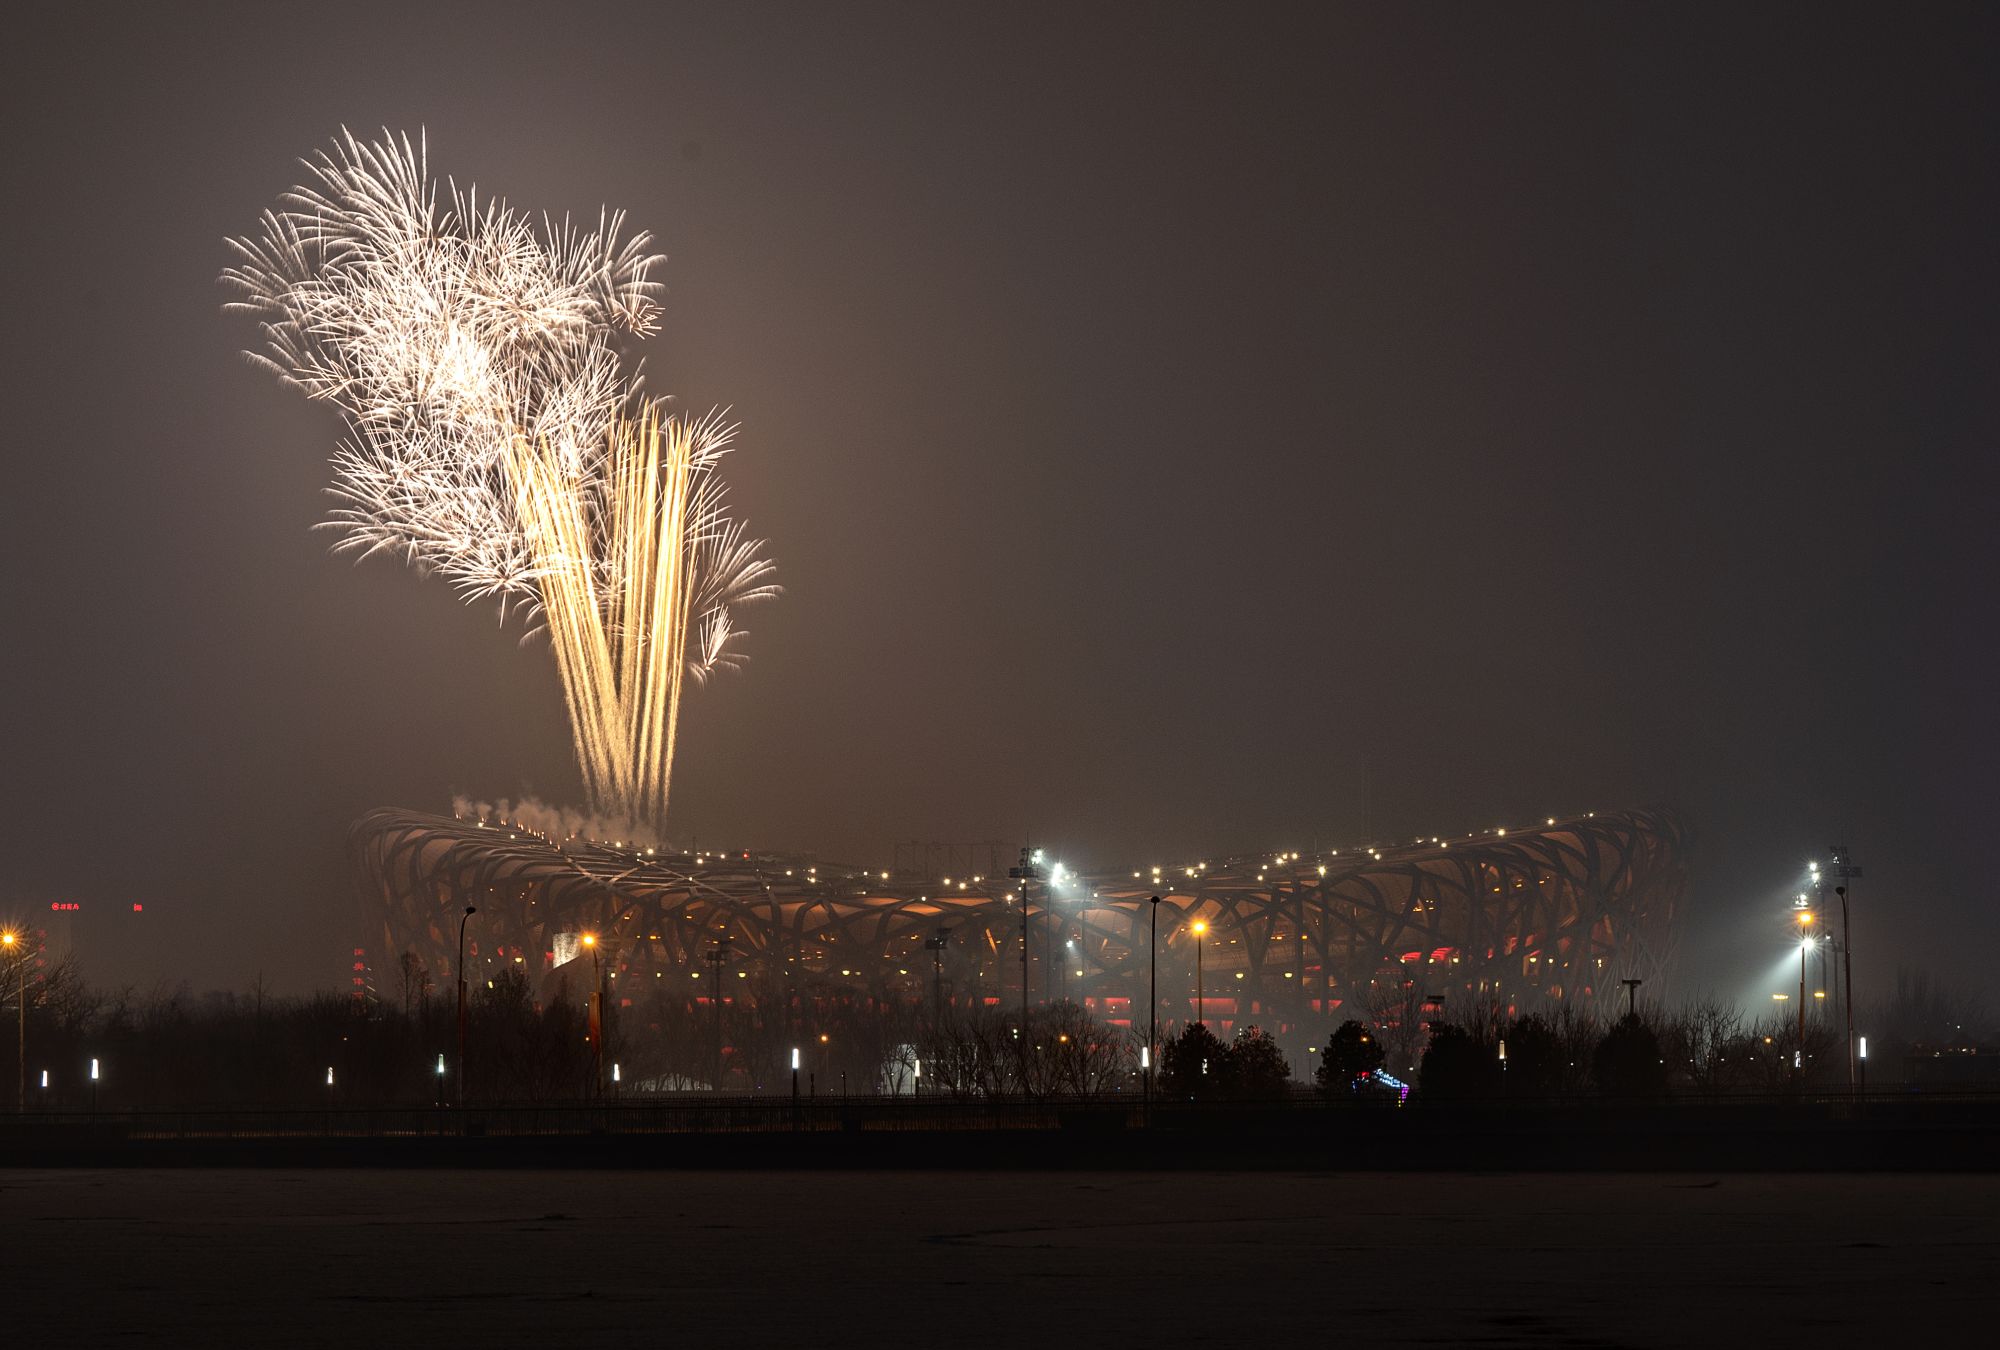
x: 15, y: 947
x: 470, y: 910
x: 935, y: 945
x: 1200, y: 1003
x: 716, y: 957
x: 1631, y: 996
x: 1844, y: 868
x: 1152, y: 999
x: 1805, y: 943
x: 1029, y: 869
x: 596, y: 1022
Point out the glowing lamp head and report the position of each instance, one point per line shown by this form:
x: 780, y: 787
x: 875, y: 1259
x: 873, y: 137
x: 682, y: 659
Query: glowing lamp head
x: 1200, y: 927
x: 590, y: 939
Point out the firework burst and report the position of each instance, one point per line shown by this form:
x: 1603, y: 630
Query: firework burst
x: 495, y: 438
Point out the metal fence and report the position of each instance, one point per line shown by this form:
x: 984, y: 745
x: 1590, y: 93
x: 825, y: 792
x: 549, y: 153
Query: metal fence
x: 696, y: 1114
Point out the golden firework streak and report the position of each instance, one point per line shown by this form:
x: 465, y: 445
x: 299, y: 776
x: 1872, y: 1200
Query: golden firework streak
x: 617, y: 573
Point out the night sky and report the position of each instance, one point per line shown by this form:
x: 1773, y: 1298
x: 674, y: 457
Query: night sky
x: 1180, y: 430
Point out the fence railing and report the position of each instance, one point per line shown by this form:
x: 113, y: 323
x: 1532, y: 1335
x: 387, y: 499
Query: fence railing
x: 704, y: 1114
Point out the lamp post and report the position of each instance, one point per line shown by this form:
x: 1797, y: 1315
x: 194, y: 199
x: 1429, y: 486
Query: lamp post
x: 1844, y: 871
x: 470, y: 910
x: 1200, y: 1003
x: 1152, y: 1001
x: 935, y: 945
x: 11, y: 942
x: 596, y: 1022
x: 1805, y: 944
x: 1029, y: 869
x: 1631, y: 997
x: 1847, y: 980
x: 716, y: 957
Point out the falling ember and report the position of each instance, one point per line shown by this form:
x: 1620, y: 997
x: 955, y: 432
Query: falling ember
x: 494, y: 437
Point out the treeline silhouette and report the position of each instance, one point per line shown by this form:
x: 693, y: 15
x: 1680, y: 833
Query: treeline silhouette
x: 174, y: 1048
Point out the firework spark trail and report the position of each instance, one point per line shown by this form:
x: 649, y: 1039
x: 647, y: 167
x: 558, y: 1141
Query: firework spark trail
x: 495, y: 438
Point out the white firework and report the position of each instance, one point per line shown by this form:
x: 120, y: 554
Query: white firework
x: 495, y: 438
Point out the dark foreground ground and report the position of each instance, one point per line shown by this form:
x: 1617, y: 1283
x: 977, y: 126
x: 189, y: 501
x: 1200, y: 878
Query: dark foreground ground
x: 441, y: 1257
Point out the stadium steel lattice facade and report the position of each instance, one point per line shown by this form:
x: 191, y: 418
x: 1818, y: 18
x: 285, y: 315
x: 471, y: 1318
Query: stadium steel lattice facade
x: 1557, y: 912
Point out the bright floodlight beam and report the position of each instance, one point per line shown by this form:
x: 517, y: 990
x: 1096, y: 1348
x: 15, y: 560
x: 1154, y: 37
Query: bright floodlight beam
x: 495, y: 438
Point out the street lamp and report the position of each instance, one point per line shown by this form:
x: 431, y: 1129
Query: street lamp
x: 10, y: 941
x: 1152, y: 1002
x: 1200, y: 1003
x: 935, y: 944
x: 470, y: 910
x: 1805, y: 944
x: 1027, y: 870
x: 596, y: 1016
x: 1845, y: 871
x: 717, y: 956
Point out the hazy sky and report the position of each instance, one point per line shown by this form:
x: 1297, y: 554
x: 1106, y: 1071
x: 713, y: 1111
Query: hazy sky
x: 1180, y: 430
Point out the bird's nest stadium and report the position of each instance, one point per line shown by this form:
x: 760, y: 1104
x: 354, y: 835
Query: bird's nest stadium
x: 1512, y: 918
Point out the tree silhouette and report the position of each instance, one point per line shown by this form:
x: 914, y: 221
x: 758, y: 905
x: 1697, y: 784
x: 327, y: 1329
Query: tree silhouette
x: 1254, y: 1068
x: 1191, y: 1064
x: 1628, y: 1062
x: 1456, y: 1065
x: 1351, y: 1053
x: 1535, y: 1063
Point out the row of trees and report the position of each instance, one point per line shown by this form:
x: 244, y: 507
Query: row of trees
x: 1704, y: 1049
x: 174, y: 1048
